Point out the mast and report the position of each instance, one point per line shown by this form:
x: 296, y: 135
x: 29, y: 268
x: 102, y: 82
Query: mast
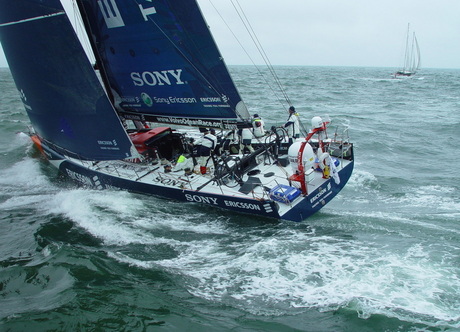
x: 406, y: 52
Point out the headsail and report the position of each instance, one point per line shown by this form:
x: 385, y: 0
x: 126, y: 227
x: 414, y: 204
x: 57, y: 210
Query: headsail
x: 162, y: 62
x: 59, y: 88
x: 416, y: 64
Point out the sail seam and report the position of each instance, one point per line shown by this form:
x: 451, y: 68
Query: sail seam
x: 32, y: 19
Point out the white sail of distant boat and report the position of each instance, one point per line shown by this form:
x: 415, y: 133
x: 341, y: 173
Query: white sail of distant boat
x: 412, y: 60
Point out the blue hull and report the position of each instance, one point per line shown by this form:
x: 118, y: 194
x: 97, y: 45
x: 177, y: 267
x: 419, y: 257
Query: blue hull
x: 309, y: 205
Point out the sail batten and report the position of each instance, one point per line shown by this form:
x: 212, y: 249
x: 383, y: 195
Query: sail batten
x: 32, y: 19
x: 161, y: 60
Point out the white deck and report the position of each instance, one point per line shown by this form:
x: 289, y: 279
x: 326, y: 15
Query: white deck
x: 271, y: 174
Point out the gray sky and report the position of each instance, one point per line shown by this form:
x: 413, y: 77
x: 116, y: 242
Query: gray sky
x: 337, y: 32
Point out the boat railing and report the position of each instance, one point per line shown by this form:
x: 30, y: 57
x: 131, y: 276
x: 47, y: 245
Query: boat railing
x: 136, y: 171
x: 340, y: 145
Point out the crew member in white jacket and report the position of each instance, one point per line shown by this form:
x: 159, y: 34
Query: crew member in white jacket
x: 258, y: 126
x: 292, y: 125
x: 207, y: 143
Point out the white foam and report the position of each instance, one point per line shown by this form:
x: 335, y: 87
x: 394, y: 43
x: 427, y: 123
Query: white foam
x: 105, y: 214
x: 429, y: 199
x: 25, y: 175
x: 279, y: 273
x: 120, y: 218
x: 19, y: 140
x: 24, y: 185
x: 179, y: 219
x: 24, y: 201
x: 362, y: 179
x: 293, y: 269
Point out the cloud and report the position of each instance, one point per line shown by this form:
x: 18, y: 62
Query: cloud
x: 335, y: 32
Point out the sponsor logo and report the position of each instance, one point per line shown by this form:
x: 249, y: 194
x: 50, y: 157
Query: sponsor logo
x: 324, y: 194
x: 134, y: 117
x: 174, y: 100
x: 97, y: 183
x: 214, y: 201
x: 108, y: 145
x: 201, y: 199
x: 154, y: 78
x: 240, y: 205
x: 196, y: 122
x: 114, y: 143
x: 321, y: 192
x: 318, y: 195
x: 82, y: 179
x: 168, y: 181
x: 210, y: 100
x: 132, y: 100
x: 146, y: 99
x: 86, y: 180
x: 215, y: 101
x: 268, y: 208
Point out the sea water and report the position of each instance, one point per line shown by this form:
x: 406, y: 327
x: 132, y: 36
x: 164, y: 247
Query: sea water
x: 384, y: 255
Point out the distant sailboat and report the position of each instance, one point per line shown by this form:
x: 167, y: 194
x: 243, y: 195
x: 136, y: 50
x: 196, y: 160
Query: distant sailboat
x: 412, y: 60
x: 159, y: 64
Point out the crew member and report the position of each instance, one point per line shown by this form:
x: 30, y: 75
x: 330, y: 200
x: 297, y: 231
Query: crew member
x: 258, y: 126
x: 292, y: 125
x: 207, y: 143
x: 245, y: 140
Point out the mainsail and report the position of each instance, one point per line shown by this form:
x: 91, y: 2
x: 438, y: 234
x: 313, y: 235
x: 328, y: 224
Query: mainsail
x: 59, y: 88
x: 161, y: 61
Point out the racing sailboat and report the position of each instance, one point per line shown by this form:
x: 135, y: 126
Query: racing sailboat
x: 412, y: 60
x: 116, y: 124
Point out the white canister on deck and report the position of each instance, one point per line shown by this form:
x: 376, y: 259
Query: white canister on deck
x: 308, y: 156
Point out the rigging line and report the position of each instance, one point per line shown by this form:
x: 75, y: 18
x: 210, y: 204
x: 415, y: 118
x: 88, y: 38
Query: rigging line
x: 264, y: 55
x: 269, y: 65
x: 259, y: 46
x: 251, y: 33
x: 267, y: 60
x: 245, y: 51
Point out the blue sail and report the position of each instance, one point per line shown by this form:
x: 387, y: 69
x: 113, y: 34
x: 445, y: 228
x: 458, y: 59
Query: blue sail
x: 161, y: 60
x: 59, y: 88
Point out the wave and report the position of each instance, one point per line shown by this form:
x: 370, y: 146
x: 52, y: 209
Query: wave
x: 288, y: 269
x: 295, y: 271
